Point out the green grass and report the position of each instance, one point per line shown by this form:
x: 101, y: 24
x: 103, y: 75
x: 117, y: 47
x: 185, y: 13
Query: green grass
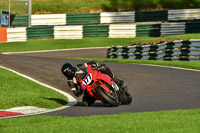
x: 18, y: 91
x: 54, y: 6
x: 87, y: 6
x: 34, y: 45
x: 178, y: 121
x: 61, y: 44
x: 181, y: 64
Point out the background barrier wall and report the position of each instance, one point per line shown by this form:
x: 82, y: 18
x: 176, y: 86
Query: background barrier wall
x: 40, y: 32
x: 151, y: 16
x: 16, y: 34
x: 68, y: 32
x: 95, y: 30
x: 148, y: 30
x: 168, y: 29
x: 20, y: 21
x: 176, y: 50
x: 109, y: 17
x: 185, y: 14
x: 84, y: 18
x: 122, y: 31
x: 117, y: 17
x: 192, y: 27
x: 111, y: 31
x: 48, y: 19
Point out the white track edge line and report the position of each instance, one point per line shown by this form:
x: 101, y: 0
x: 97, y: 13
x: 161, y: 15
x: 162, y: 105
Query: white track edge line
x: 56, y: 50
x: 186, y: 69
x: 71, y: 100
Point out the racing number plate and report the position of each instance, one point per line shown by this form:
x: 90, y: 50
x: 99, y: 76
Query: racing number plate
x: 87, y: 79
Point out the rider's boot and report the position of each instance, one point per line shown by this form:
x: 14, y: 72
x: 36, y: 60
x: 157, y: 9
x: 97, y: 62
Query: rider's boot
x: 118, y: 81
x: 87, y: 99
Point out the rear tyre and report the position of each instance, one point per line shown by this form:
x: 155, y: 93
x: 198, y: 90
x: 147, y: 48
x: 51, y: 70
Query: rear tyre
x: 127, y: 98
x: 106, y: 97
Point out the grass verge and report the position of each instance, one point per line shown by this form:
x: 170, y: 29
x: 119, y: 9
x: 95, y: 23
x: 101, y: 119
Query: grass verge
x: 178, y: 121
x: 181, y: 64
x: 35, y: 45
x: 19, y: 91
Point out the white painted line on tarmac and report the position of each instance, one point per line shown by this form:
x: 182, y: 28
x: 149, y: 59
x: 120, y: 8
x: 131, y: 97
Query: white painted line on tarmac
x: 169, y: 67
x: 71, y: 100
x: 57, y: 50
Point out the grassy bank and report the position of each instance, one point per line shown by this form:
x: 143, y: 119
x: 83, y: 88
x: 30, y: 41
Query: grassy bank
x: 179, y: 121
x: 53, y: 6
x: 18, y: 91
x: 34, y: 45
x: 90, y: 6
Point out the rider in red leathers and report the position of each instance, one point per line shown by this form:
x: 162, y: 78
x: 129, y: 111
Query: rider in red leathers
x: 73, y: 75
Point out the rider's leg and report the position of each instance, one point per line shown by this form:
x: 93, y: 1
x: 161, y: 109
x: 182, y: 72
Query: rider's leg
x: 87, y: 99
x: 106, y: 70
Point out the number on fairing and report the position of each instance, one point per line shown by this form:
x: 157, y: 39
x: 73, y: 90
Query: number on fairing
x: 87, y: 79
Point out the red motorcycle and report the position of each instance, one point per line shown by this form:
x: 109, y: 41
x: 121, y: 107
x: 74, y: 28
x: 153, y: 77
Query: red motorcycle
x: 101, y: 87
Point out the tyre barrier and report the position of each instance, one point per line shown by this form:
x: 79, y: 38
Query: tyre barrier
x: 185, y: 50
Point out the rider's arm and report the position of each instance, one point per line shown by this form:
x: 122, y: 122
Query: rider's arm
x: 75, y: 88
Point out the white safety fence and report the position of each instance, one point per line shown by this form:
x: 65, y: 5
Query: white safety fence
x: 48, y: 19
x: 168, y: 29
x: 186, y: 14
x: 117, y: 17
x: 68, y: 32
x: 16, y: 34
x: 122, y: 31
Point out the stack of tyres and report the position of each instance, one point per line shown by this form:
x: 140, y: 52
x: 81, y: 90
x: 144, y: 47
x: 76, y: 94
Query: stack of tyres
x: 194, y: 49
x: 168, y: 51
x: 122, y: 52
x: 112, y: 52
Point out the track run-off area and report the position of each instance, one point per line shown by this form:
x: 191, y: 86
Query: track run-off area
x: 153, y: 88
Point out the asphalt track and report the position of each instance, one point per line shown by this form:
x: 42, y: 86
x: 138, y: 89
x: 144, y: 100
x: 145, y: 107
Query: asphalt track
x: 152, y: 88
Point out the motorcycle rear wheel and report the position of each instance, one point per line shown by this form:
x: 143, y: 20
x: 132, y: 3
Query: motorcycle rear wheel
x: 106, y: 97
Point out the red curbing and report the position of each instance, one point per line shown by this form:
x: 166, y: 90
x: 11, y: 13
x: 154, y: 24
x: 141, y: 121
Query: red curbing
x: 9, y: 114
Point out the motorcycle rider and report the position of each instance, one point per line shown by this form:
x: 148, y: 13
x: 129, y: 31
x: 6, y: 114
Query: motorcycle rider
x: 73, y: 75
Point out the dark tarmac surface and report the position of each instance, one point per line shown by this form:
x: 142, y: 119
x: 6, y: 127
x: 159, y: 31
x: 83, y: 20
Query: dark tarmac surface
x: 152, y: 88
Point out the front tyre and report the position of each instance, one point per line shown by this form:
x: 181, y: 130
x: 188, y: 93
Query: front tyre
x: 112, y: 101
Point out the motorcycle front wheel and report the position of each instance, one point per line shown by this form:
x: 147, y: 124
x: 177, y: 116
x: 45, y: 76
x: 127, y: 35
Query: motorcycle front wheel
x: 111, y: 100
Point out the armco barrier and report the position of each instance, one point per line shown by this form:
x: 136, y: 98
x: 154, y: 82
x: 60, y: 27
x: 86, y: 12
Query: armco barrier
x: 117, y: 17
x: 16, y: 34
x: 20, y: 21
x: 111, y: 31
x: 109, y: 17
x: 148, y: 30
x: 95, y: 30
x: 122, y: 31
x: 168, y: 29
x: 185, y: 14
x: 68, y: 32
x: 192, y: 27
x: 151, y: 16
x: 40, y: 32
x: 177, y: 50
x: 48, y: 19
x: 84, y: 18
